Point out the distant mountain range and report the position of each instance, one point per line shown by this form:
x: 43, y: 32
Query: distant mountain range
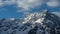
x: 43, y: 22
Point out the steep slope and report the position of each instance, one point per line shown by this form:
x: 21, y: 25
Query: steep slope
x: 43, y: 22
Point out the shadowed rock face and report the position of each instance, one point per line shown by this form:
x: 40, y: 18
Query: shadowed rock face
x: 43, y: 22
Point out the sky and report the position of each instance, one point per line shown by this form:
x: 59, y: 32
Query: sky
x: 19, y: 8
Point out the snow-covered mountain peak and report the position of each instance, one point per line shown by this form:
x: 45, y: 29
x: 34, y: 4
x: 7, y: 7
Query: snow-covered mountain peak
x: 35, y: 17
x: 42, y: 22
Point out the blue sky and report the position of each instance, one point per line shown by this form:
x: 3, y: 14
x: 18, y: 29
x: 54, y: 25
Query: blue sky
x: 19, y: 8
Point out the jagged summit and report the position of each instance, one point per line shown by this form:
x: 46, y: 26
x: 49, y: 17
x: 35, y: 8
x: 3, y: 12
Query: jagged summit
x: 36, y: 17
x: 43, y: 22
x: 45, y: 19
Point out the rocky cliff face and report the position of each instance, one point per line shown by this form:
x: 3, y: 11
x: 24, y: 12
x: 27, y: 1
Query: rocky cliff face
x: 42, y: 22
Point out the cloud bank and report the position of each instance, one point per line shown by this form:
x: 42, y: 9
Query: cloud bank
x: 27, y: 4
x: 53, y: 3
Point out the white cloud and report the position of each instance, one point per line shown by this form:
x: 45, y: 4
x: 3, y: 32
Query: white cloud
x: 1, y: 3
x: 7, y: 2
x: 27, y: 4
x: 53, y: 3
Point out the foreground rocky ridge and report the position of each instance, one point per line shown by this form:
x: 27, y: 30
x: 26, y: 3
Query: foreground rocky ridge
x: 43, y: 22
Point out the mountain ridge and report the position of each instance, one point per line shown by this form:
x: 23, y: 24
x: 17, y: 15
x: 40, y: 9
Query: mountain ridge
x: 43, y: 22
